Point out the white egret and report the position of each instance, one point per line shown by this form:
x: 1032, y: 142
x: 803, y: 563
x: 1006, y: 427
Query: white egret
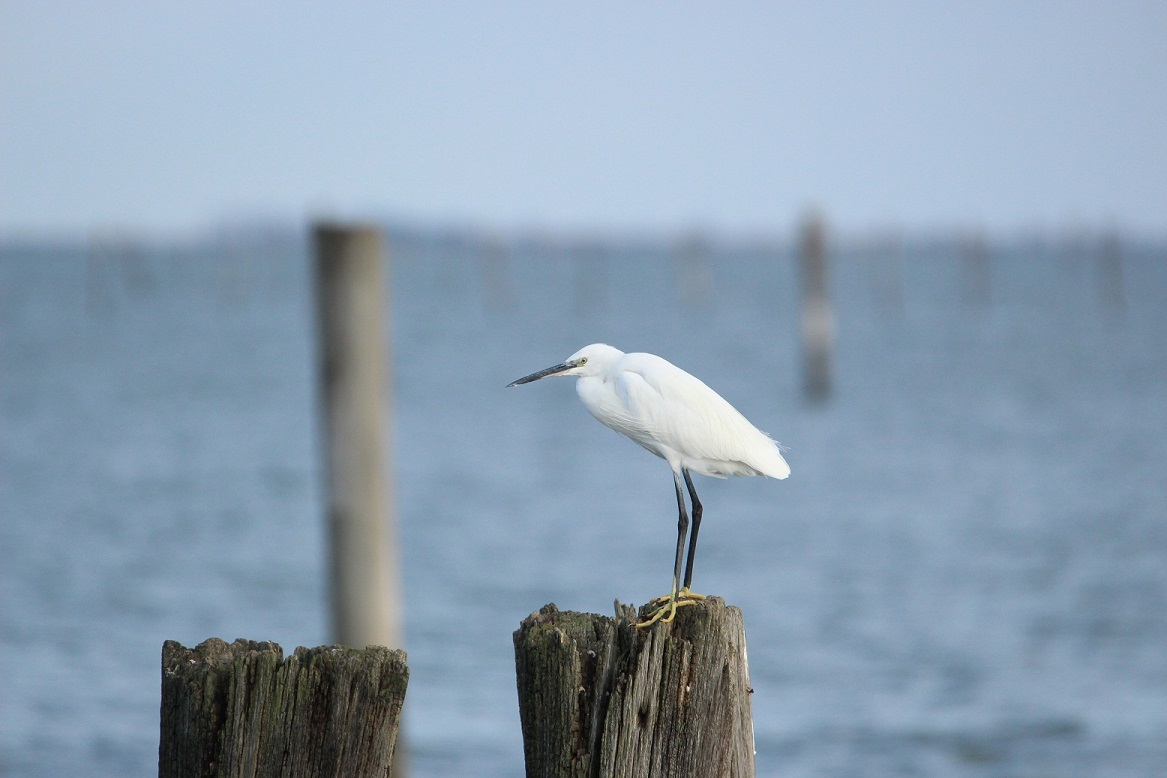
x: 681, y: 420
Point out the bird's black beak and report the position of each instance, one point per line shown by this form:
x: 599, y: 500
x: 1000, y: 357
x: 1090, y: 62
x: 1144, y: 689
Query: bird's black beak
x: 541, y: 374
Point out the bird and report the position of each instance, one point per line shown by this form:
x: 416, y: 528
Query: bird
x: 677, y: 417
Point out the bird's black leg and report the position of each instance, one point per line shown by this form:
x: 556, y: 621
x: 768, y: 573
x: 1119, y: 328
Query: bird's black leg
x: 693, y: 533
x: 682, y: 529
x: 664, y: 608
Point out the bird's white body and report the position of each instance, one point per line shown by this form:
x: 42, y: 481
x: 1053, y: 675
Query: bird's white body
x: 672, y: 414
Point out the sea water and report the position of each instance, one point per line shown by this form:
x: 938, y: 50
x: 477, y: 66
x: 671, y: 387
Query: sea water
x: 965, y: 575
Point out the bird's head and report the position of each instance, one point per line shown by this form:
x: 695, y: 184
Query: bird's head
x: 588, y: 361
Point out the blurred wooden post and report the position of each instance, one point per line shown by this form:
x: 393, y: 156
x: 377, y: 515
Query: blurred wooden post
x: 600, y: 697
x: 1111, y: 292
x: 351, y: 292
x: 889, y: 280
x: 241, y: 710
x: 694, y: 271
x: 589, y: 262
x: 818, y: 318
x: 976, y: 272
x: 498, y: 286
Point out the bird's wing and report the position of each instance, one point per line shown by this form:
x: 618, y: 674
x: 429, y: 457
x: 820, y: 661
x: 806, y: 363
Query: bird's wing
x: 663, y: 403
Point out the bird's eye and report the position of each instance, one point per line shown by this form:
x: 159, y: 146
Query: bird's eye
x: 583, y: 361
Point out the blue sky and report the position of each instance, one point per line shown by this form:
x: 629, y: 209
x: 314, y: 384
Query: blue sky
x: 170, y: 117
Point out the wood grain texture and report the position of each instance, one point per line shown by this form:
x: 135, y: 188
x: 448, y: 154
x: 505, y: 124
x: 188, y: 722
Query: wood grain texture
x: 242, y: 710
x: 599, y: 697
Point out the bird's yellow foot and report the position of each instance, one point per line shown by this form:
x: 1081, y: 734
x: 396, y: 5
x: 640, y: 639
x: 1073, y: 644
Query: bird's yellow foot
x: 686, y: 595
x: 667, y: 606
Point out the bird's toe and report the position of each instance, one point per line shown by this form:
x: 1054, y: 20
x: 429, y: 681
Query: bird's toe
x: 664, y: 609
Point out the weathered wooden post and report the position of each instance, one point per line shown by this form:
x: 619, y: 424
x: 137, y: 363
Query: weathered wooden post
x: 888, y: 256
x: 590, y: 258
x: 694, y: 271
x: 818, y: 317
x: 354, y: 387
x: 600, y: 697
x: 976, y: 272
x: 1111, y: 292
x: 498, y: 286
x: 241, y: 710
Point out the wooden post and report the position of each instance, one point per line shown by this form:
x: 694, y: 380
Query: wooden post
x: 498, y: 287
x: 694, y: 271
x: 818, y: 318
x: 888, y: 255
x: 366, y: 602
x: 241, y: 710
x: 589, y: 261
x: 976, y: 272
x: 1111, y: 291
x: 600, y: 697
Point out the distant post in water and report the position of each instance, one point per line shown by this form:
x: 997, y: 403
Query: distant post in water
x: 818, y: 317
x: 976, y: 273
x: 589, y: 261
x: 354, y: 397
x: 888, y: 273
x: 694, y: 271
x: 498, y: 287
x: 1111, y: 291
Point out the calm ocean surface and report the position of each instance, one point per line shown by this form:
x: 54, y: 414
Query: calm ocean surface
x: 966, y: 574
